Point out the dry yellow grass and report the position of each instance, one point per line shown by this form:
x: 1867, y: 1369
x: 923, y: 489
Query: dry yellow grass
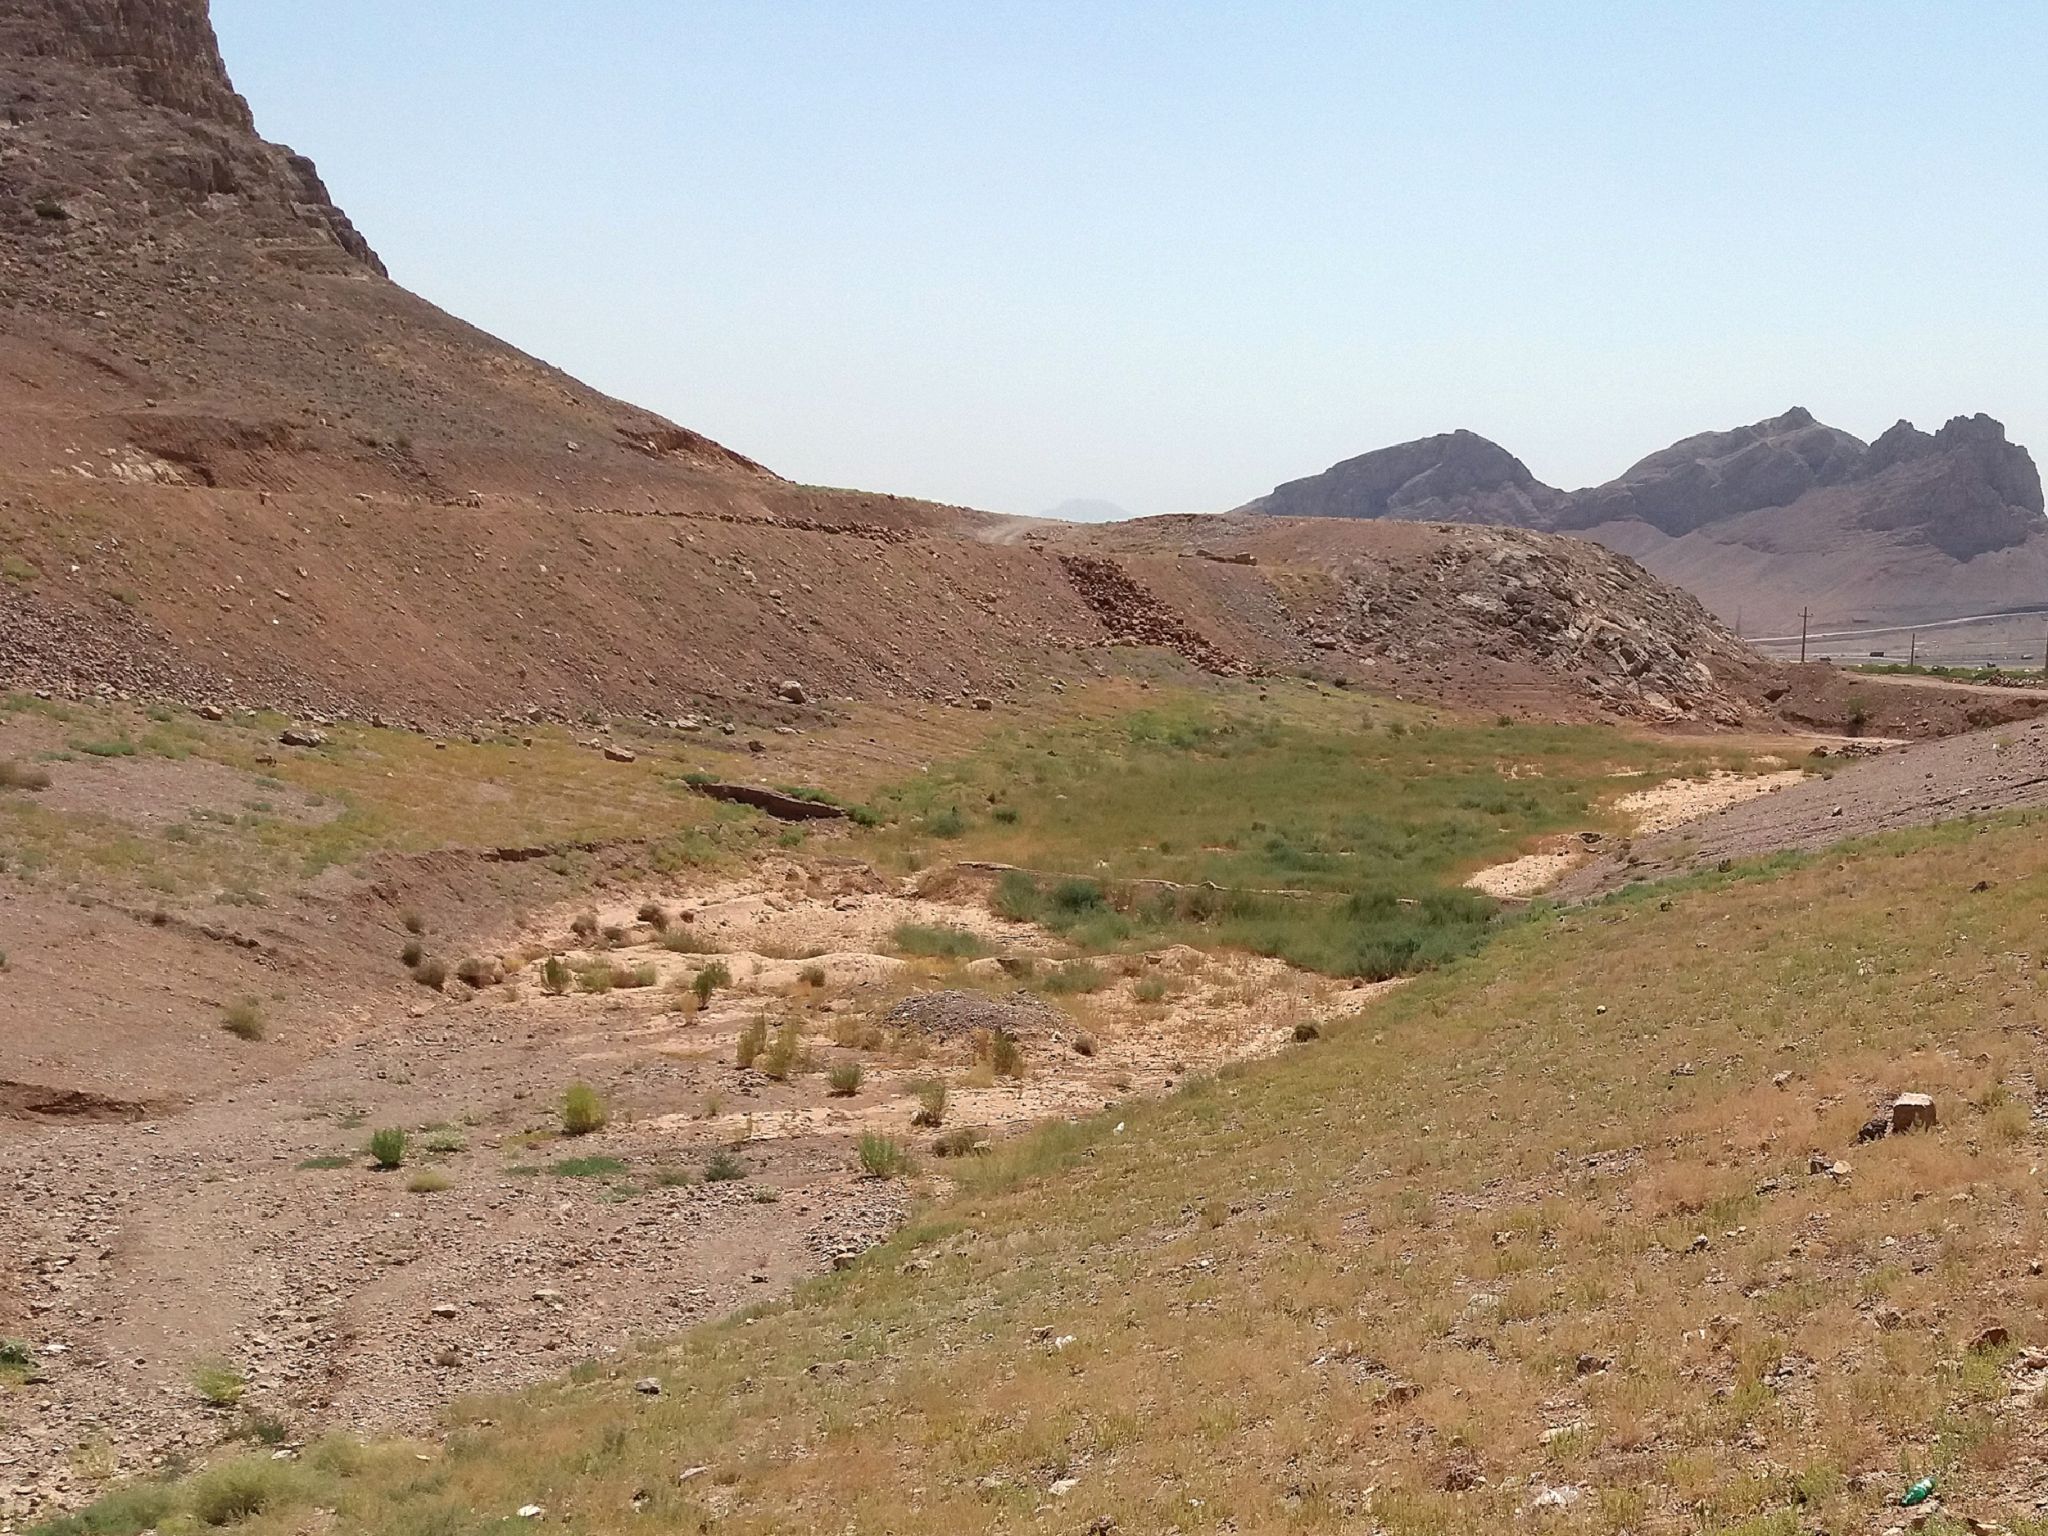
x: 1409, y: 1277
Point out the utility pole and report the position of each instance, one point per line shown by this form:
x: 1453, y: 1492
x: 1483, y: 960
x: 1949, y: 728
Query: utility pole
x: 1803, y: 615
x: 1913, y: 648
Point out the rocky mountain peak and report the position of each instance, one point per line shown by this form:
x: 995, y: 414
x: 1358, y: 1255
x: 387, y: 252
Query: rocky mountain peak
x: 1451, y: 477
x: 165, y: 50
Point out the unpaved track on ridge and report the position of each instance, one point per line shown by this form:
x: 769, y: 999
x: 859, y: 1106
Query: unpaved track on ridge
x: 2002, y: 768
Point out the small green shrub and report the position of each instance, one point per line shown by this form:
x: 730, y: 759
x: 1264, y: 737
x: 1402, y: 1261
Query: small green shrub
x: 946, y: 823
x: 1074, y: 976
x: 241, y: 1490
x: 845, y: 1079
x: 387, y: 1147
x: 243, y: 1019
x: 753, y: 1041
x: 931, y: 1102
x: 1150, y: 989
x: 707, y: 981
x: 1005, y: 1054
x: 16, y: 1352
x: 583, y: 1111
x: 1006, y: 814
x: 555, y: 976
x: 680, y: 941
x: 641, y: 975
x: 938, y: 942
x: 413, y: 953
x: 219, y: 1383
x: 588, y: 1167
x: 599, y: 977
x: 881, y: 1157
x: 1017, y: 897
x: 443, y: 1141
x: 722, y: 1167
x: 329, y: 1160
x: 785, y: 1056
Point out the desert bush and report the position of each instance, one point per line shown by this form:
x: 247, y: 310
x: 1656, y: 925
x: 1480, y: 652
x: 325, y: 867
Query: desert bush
x: 786, y: 1054
x: 1074, y: 976
x: 641, y: 975
x: 583, y: 1110
x: 707, y: 981
x: 753, y: 1041
x: 243, y: 1019
x: 431, y: 972
x: 429, y: 1181
x: 387, y: 1146
x: 555, y: 976
x: 1006, y: 814
x: 1017, y: 897
x: 723, y: 1167
x: 1005, y: 1054
x: 413, y: 953
x: 1150, y: 989
x: 1306, y: 1031
x: 1084, y: 1044
x: 963, y: 1141
x: 243, y: 1489
x: 598, y: 976
x: 881, y: 1157
x: 615, y: 934
x: 845, y: 1078
x: 443, y: 1141
x: 654, y: 914
x: 219, y: 1383
x: 931, y: 1102
x: 414, y: 923
x: 475, y: 971
x: 15, y: 774
x: 584, y: 925
x: 948, y: 822
x: 680, y: 941
x: 812, y: 975
x: 16, y: 1352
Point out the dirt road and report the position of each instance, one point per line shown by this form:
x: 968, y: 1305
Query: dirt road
x: 1912, y: 786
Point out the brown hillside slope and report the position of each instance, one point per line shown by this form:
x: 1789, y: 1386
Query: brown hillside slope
x: 237, y: 462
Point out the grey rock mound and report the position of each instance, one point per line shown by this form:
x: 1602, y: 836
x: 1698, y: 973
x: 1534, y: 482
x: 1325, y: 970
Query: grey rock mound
x: 954, y: 1014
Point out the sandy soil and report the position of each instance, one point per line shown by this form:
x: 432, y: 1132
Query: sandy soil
x: 251, y: 1229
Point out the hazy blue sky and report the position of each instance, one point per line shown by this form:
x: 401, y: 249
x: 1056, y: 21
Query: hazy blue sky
x: 1171, y: 253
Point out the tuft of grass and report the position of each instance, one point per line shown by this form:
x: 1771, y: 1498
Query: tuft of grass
x: 930, y: 1094
x: 845, y: 1079
x: 882, y: 1157
x: 555, y: 976
x: 598, y: 977
x: 1150, y: 989
x: 15, y: 774
x: 1076, y: 976
x: 753, y: 1041
x: 938, y: 942
x: 429, y: 1181
x: 1005, y: 1054
x: 722, y: 1168
x: 707, y: 981
x: 387, y: 1147
x: 242, y: 1489
x: 583, y: 1110
x: 328, y: 1160
x: 784, y: 1058
x: 588, y: 1167
x: 243, y: 1019
x: 219, y: 1383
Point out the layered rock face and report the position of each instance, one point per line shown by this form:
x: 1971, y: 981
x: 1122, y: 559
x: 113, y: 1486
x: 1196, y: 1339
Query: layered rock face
x: 165, y: 49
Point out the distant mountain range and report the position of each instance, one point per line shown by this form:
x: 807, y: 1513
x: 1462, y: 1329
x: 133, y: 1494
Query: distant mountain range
x: 1760, y: 521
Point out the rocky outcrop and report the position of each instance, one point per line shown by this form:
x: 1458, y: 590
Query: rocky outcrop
x: 1454, y: 477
